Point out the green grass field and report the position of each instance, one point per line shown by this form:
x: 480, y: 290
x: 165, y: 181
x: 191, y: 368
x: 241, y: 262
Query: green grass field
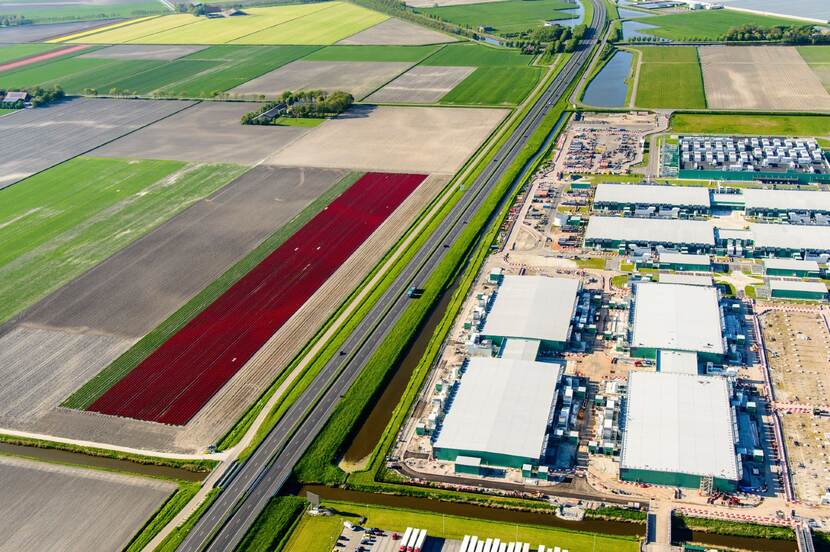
x: 203, y: 74
x: 11, y: 52
x: 670, y: 77
x: 476, y: 55
x: 74, y: 11
x: 505, y: 17
x: 372, y: 53
x: 706, y: 24
x: 4, y: 111
x: 784, y: 125
x: 318, y: 534
x: 495, y: 86
x: 818, y: 58
x: 273, y: 524
x: 61, y: 222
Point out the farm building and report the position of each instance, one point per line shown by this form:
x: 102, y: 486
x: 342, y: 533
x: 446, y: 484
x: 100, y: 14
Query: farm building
x: 761, y: 203
x: 536, y: 308
x: 500, y: 413
x: 805, y: 291
x: 792, y: 267
x: 768, y: 159
x: 619, y: 232
x: 684, y: 262
x: 679, y: 431
x: 676, y: 317
x: 785, y: 240
x: 648, y: 200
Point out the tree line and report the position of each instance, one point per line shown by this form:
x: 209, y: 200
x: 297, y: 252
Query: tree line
x: 38, y: 97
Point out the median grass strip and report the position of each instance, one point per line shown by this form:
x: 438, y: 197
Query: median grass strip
x: 98, y: 385
x: 172, y: 541
x: 272, y: 527
x: 163, y: 516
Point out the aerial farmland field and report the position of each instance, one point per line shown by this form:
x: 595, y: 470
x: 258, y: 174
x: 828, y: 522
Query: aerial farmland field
x: 706, y: 24
x: 818, y: 58
x: 421, y: 84
x: 773, y: 125
x: 56, y: 11
x: 11, y: 52
x: 476, y: 55
x: 670, y: 77
x: 46, y: 32
x: 64, y: 508
x: 495, y: 86
x: 371, y: 53
x: 234, y: 327
x: 508, y: 16
x: 63, y: 221
x: 36, y: 139
x: 397, y: 32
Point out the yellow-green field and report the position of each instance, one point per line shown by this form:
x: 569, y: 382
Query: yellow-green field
x: 322, y: 23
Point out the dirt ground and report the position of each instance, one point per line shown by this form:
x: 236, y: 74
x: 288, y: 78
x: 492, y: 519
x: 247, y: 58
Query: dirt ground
x: 36, y: 139
x: 356, y: 77
x: 807, y: 439
x: 52, y: 507
x: 421, y: 84
x: 143, y: 51
x: 39, y: 33
x: 134, y: 290
x: 41, y: 367
x: 207, y: 132
x: 760, y: 77
x: 798, y: 351
x: 417, y: 139
x: 397, y: 32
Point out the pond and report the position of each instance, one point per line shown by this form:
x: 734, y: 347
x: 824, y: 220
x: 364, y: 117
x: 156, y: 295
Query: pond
x: 608, y: 88
x: 633, y: 14
x: 631, y: 29
x: 578, y: 13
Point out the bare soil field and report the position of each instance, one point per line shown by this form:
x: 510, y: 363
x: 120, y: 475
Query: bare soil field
x: 39, y: 33
x: 356, y: 77
x: 134, y: 290
x: 798, y: 348
x: 41, y: 367
x: 421, y: 84
x: 397, y: 32
x: 36, y: 139
x: 762, y: 77
x: 807, y: 439
x: 207, y: 132
x: 53, y: 507
x: 406, y: 139
x: 143, y: 51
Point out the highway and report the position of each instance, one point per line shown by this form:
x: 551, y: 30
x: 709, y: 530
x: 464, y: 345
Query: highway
x: 224, y: 524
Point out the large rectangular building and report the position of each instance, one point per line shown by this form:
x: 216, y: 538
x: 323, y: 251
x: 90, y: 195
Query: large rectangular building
x: 500, y: 412
x: 679, y: 430
x: 785, y: 240
x: 675, y: 317
x: 533, y: 307
x: 792, y: 267
x: 621, y: 196
x: 799, y: 291
x: 614, y: 232
x: 771, y: 202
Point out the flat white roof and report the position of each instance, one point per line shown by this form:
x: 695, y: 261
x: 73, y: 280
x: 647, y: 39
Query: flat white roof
x: 533, y: 307
x: 677, y: 317
x: 734, y: 234
x: 791, y: 236
x: 677, y: 362
x: 521, y: 349
x: 784, y: 200
x: 685, y: 279
x: 685, y: 258
x: 793, y: 285
x: 679, y: 423
x: 645, y: 194
x: 650, y: 230
x: 501, y: 407
x: 791, y: 264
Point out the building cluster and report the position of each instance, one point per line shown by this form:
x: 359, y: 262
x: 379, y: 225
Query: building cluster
x: 774, y: 159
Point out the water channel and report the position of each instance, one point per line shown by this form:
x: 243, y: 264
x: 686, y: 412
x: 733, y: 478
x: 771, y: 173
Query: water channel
x: 99, y: 462
x: 608, y: 88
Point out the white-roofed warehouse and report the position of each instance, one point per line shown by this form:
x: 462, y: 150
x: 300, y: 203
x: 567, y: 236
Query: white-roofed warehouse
x: 785, y: 239
x: 760, y: 202
x: 611, y: 232
x: 676, y: 317
x: 678, y: 430
x: 616, y: 196
x: 533, y: 307
x: 500, y: 412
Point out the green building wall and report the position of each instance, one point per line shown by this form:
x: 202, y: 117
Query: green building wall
x: 681, y: 267
x: 800, y: 295
x: 788, y: 176
x: 487, y: 458
x: 673, y: 479
x: 792, y: 273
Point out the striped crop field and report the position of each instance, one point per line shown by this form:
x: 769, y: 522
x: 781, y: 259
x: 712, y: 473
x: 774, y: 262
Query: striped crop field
x: 172, y: 384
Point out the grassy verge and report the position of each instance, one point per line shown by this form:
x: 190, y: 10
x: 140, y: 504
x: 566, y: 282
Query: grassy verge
x: 162, y: 517
x: 172, y: 541
x: 319, y: 533
x: 616, y: 514
x: 299, y: 122
x: 113, y: 373
x: 591, y: 263
x: 199, y: 466
x: 273, y: 526
x: 734, y: 528
x: 741, y: 123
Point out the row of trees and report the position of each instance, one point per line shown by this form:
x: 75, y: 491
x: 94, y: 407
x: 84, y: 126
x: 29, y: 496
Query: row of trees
x: 14, y: 21
x: 37, y: 96
x: 803, y: 34
x: 306, y: 104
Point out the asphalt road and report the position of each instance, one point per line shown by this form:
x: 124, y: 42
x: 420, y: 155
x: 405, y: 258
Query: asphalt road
x: 224, y: 524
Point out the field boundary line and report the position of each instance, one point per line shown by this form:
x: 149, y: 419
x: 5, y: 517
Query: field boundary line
x: 96, y: 30
x: 278, y: 24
